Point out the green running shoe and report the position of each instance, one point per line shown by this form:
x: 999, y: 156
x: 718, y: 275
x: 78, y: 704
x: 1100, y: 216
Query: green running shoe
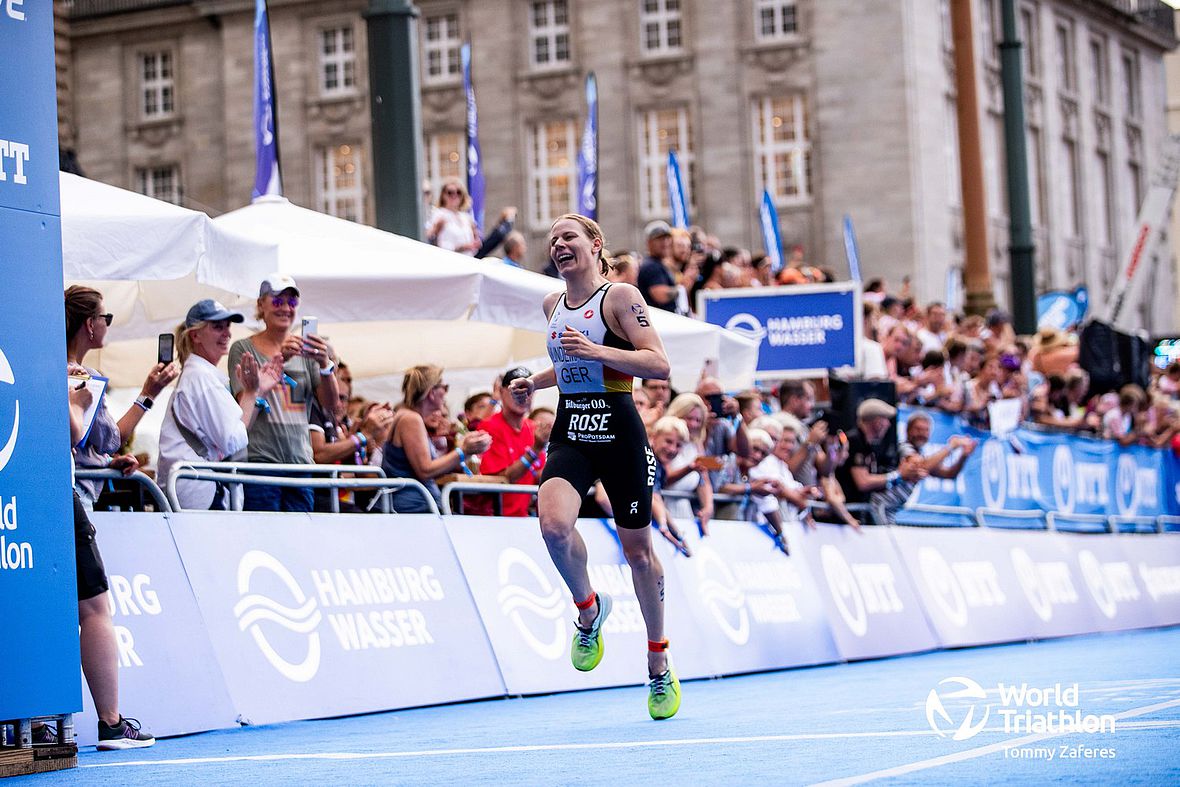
x: 664, y: 699
x: 587, y: 649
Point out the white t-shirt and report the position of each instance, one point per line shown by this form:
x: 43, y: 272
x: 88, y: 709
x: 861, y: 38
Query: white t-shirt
x: 775, y: 468
x: 458, y: 229
x: 203, y: 404
x: 679, y: 508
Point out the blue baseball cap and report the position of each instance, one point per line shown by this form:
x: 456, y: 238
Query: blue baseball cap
x: 210, y: 310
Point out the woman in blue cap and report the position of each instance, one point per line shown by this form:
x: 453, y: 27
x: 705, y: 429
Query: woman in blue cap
x: 204, y: 421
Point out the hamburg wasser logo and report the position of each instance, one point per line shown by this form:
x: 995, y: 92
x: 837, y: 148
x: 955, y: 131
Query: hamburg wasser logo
x: 296, y: 613
x: 722, y: 594
x: 963, y: 724
x: 535, y: 607
x: 747, y: 325
x: 6, y: 376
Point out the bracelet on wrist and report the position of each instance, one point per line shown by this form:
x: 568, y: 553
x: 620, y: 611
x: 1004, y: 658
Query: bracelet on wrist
x: 325, y: 371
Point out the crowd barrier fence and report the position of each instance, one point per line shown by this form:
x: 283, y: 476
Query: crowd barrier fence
x: 256, y: 618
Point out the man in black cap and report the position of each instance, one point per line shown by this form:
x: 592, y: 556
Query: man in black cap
x: 874, y: 462
x: 512, y: 453
x: 656, y: 281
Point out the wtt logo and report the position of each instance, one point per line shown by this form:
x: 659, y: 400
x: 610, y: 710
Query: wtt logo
x: 940, y: 718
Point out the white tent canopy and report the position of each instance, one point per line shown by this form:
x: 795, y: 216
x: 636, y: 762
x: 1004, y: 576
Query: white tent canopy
x: 151, y: 260
x: 388, y: 302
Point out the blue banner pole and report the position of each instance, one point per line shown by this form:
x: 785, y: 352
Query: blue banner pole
x: 267, y: 180
x: 475, y: 179
x: 851, y: 250
x: 588, y: 154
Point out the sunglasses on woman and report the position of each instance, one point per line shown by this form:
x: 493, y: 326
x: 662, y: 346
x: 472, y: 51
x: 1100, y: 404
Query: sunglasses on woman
x: 107, y: 318
x: 278, y: 300
x: 452, y: 192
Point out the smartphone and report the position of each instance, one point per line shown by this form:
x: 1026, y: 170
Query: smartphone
x: 717, y: 404
x: 165, y: 348
x: 713, y: 463
x: 311, y: 325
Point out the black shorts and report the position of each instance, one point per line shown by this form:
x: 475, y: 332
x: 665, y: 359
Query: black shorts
x: 600, y: 437
x: 92, y: 574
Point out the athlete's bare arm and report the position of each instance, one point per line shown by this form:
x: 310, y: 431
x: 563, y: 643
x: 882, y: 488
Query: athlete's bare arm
x: 627, y: 315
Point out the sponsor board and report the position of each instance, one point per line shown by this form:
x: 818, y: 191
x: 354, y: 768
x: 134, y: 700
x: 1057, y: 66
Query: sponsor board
x: 966, y: 583
x: 757, y: 608
x: 1132, y: 581
x: 168, y: 674
x: 39, y: 647
x: 1049, y: 583
x: 870, y: 602
x: 324, y: 615
x: 529, y: 613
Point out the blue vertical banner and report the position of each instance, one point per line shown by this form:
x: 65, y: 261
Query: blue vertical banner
x: 39, y: 652
x: 475, y: 182
x: 771, y: 239
x: 851, y: 250
x: 677, y: 199
x: 588, y: 154
x: 267, y: 181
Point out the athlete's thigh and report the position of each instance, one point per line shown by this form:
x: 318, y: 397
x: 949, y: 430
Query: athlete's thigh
x: 628, y: 473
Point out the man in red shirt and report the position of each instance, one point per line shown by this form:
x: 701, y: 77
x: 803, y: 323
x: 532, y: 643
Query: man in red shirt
x: 512, y: 453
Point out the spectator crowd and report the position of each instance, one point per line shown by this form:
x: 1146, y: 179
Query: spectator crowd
x: 768, y: 454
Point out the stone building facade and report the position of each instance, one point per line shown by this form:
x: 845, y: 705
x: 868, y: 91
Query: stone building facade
x: 836, y: 106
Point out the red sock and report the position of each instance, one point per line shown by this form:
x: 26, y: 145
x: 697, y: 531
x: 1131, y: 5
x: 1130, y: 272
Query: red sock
x: 589, y: 602
x: 657, y: 647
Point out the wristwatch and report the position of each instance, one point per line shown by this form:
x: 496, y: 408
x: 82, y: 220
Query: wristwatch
x: 145, y: 402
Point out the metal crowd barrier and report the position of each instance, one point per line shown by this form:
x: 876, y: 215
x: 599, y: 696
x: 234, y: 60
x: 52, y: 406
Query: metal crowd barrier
x: 917, y: 515
x: 237, y: 473
x: 106, y: 474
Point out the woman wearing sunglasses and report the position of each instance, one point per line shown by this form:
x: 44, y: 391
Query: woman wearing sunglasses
x: 279, y: 432
x: 87, y: 322
x: 451, y: 225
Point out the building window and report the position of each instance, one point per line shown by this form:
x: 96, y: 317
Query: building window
x: 337, y: 61
x: 660, y: 26
x: 1037, y: 201
x: 776, y: 19
x: 339, y: 184
x: 1135, y: 168
x: 1099, y: 71
x: 157, y: 87
x: 1105, y: 196
x: 552, y: 170
x: 782, y: 148
x: 440, y: 49
x: 549, y: 33
x: 661, y: 130
x: 1131, y: 86
x: 445, y: 159
x: 1029, y: 31
x: 1067, y: 68
x: 1072, y: 188
x: 162, y: 183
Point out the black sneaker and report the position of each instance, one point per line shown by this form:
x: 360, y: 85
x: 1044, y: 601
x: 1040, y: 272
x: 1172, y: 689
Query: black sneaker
x: 44, y: 735
x: 124, y: 735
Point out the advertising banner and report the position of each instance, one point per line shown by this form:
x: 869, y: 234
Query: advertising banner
x: 1050, y: 582
x: 39, y: 647
x: 801, y: 329
x: 966, y: 583
x: 757, y: 608
x: 1033, y: 470
x: 1110, y: 580
x: 529, y: 613
x: 1156, y: 559
x: 870, y: 603
x: 327, y: 615
x: 168, y: 674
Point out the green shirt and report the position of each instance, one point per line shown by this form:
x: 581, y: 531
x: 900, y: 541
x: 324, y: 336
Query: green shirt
x: 280, y: 435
